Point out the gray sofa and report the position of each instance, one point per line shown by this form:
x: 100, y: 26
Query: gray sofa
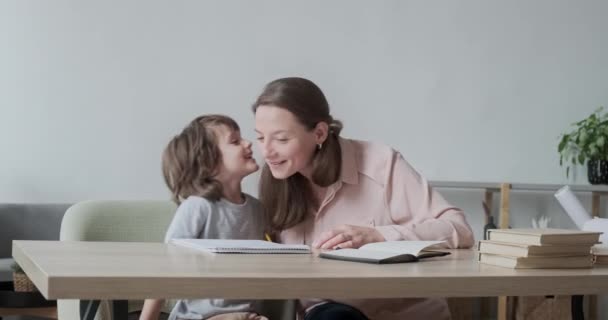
x: 21, y: 221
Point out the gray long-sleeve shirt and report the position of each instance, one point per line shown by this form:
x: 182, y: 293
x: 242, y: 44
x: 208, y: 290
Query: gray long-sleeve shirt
x: 199, y: 218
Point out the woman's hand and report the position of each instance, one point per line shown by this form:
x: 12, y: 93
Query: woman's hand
x: 348, y: 236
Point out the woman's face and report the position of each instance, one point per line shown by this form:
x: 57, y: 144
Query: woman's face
x: 286, y: 144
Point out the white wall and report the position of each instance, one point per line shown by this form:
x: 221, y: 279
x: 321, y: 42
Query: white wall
x: 90, y: 92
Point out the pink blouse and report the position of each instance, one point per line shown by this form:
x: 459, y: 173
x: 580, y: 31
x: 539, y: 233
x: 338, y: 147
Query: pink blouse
x: 379, y: 189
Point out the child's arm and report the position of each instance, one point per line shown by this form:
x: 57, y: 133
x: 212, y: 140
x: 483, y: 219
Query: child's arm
x: 238, y: 316
x: 151, y: 309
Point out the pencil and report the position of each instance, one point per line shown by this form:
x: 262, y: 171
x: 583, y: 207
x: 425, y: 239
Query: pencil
x: 267, y: 237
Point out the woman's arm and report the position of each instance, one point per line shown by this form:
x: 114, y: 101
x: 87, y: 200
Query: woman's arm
x: 419, y: 212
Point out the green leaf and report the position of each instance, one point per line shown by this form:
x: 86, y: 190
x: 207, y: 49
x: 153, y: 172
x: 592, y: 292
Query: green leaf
x: 583, y: 136
x: 600, y: 141
x: 562, y: 143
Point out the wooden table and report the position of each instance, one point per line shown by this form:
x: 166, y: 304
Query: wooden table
x: 110, y: 270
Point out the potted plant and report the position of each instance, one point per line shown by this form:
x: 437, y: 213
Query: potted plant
x: 21, y: 281
x: 587, y: 143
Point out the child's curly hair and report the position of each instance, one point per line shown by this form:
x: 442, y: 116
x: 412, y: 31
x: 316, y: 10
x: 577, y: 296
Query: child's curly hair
x: 191, y: 159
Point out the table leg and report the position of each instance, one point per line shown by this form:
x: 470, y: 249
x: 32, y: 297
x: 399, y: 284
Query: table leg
x: 88, y: 309
x: 595, y: 211
x: 120, y: 309
x: 503, y: 223
x: 577, y: 308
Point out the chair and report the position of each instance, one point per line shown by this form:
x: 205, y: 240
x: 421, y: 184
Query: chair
x: 130, y: 221
x: 125, y: 221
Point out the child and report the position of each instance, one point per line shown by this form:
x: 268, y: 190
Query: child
x: 203, y: 167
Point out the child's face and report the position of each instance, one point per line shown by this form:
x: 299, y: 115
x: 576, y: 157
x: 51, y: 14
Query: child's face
x: 237, y: 156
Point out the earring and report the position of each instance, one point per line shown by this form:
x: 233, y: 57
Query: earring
x: 319, y: 146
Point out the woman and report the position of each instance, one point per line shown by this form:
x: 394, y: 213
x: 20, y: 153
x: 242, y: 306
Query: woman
x: 331, y: 192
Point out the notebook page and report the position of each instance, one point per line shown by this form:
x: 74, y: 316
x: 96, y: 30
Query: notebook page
x: 240, y: 246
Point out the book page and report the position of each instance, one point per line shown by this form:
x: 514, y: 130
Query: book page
x: 361, y: 254
x: 544, y: 231
x: 400, y: 247
x: 600, y: 250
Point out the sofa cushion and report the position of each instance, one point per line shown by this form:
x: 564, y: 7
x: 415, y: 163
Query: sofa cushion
x: 5, y: 267
x: 22, y: 221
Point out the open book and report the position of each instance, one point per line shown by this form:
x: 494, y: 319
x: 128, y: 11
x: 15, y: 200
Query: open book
x: 240, y: 246
x: 386, y: 252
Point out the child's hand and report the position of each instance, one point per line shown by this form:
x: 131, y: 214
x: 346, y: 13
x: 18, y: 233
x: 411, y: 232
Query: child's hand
x: 255, y: 316
x: 238, y: 316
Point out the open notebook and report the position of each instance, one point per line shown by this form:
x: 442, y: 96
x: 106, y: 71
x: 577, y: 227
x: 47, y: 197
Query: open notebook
x: 240, y: 246
x: 387, y: 252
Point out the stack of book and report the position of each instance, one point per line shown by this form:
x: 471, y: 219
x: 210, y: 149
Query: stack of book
x: 538, y: 248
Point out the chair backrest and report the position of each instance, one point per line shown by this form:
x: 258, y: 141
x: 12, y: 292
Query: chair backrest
x: 118, y: 220
x: 115, y: 220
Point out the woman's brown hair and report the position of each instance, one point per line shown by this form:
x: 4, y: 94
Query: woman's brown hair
x: 289, y: 201
x: 191, y: 159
